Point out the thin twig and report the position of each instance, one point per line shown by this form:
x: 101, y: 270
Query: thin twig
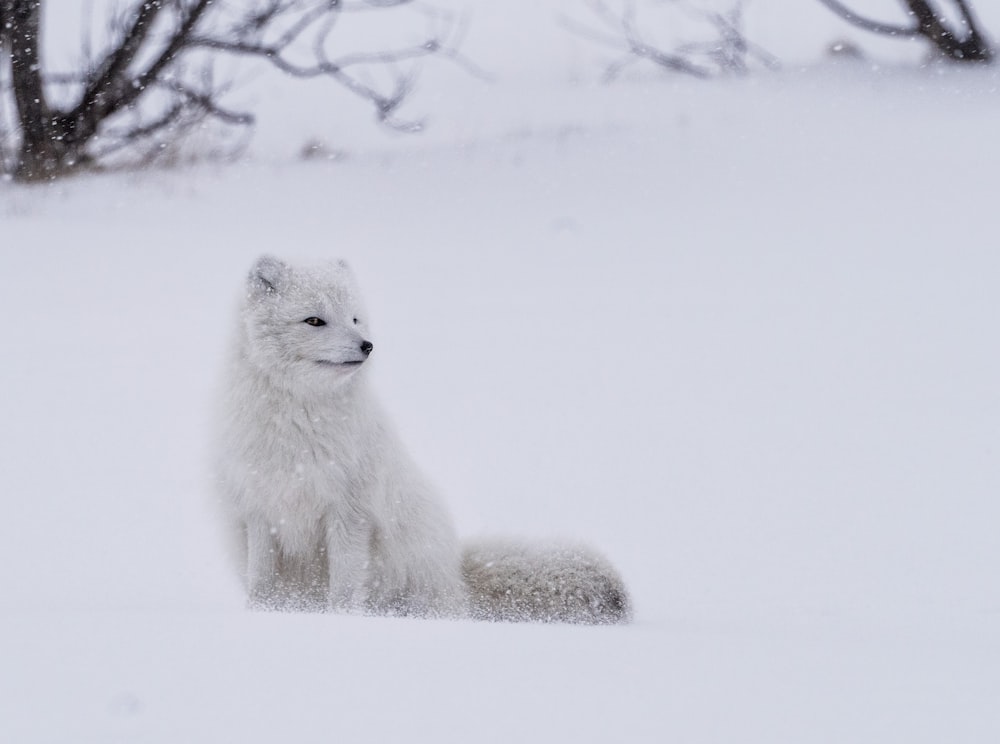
x: 869, y: 25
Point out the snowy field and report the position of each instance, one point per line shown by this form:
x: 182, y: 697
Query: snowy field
x: 741, y: 334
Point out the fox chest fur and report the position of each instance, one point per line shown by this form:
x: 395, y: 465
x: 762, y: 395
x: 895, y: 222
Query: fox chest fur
x: 299, y: 466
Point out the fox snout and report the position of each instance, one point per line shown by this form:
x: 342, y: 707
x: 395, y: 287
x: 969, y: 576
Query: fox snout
x: 366, y: 347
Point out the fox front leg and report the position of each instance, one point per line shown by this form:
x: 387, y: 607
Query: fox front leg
x: 348, y: 541
x: 262, y: 567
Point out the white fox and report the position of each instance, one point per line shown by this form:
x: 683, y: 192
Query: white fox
x: 328, y: 509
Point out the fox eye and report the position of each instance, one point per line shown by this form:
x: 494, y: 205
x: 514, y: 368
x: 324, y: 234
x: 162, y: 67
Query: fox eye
x: 315, y: 322
x: 355, y: 321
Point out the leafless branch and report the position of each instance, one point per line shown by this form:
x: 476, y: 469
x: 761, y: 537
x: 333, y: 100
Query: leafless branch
x: 187, y: 109
x: 111, y: 72
x: 250, y: 41
x: 970, y: 46
x: 868, y: 24
x: 141, y: 78
x: 733, y: 48
x: 206, y: 101
x: 454, y: 32
x: 621, y: 30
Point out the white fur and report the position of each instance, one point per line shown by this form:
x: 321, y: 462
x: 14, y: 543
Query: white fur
x: 563, y: 582
x: 328, y: 508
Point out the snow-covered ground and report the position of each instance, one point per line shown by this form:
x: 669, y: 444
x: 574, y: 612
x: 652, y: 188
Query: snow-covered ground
x: 739, y: 333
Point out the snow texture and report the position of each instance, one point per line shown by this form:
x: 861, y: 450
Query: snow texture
x: 739, y: 334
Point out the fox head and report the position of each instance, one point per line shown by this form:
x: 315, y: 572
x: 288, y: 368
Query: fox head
x: 304, y: 327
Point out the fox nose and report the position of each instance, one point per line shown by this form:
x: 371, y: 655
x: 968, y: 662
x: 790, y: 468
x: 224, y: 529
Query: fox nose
x: 366, y: 347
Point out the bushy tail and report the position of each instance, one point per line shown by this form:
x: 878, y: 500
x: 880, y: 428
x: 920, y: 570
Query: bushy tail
x: 520, y: 582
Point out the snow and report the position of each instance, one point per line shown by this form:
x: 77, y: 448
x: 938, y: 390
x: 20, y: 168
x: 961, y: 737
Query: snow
x: 738, y: 333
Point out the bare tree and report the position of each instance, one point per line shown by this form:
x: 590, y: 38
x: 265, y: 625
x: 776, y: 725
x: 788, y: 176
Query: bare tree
x: 157, y: 76
x: 962, y: 43
x: 726, y: 51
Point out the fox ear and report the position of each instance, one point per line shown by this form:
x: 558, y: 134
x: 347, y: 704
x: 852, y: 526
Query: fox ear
x: 267, y: 275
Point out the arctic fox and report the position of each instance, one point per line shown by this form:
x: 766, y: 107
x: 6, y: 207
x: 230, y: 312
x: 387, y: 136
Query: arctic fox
x: 328, y: 510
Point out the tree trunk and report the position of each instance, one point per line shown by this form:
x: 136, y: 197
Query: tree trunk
x: 41, y: 155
